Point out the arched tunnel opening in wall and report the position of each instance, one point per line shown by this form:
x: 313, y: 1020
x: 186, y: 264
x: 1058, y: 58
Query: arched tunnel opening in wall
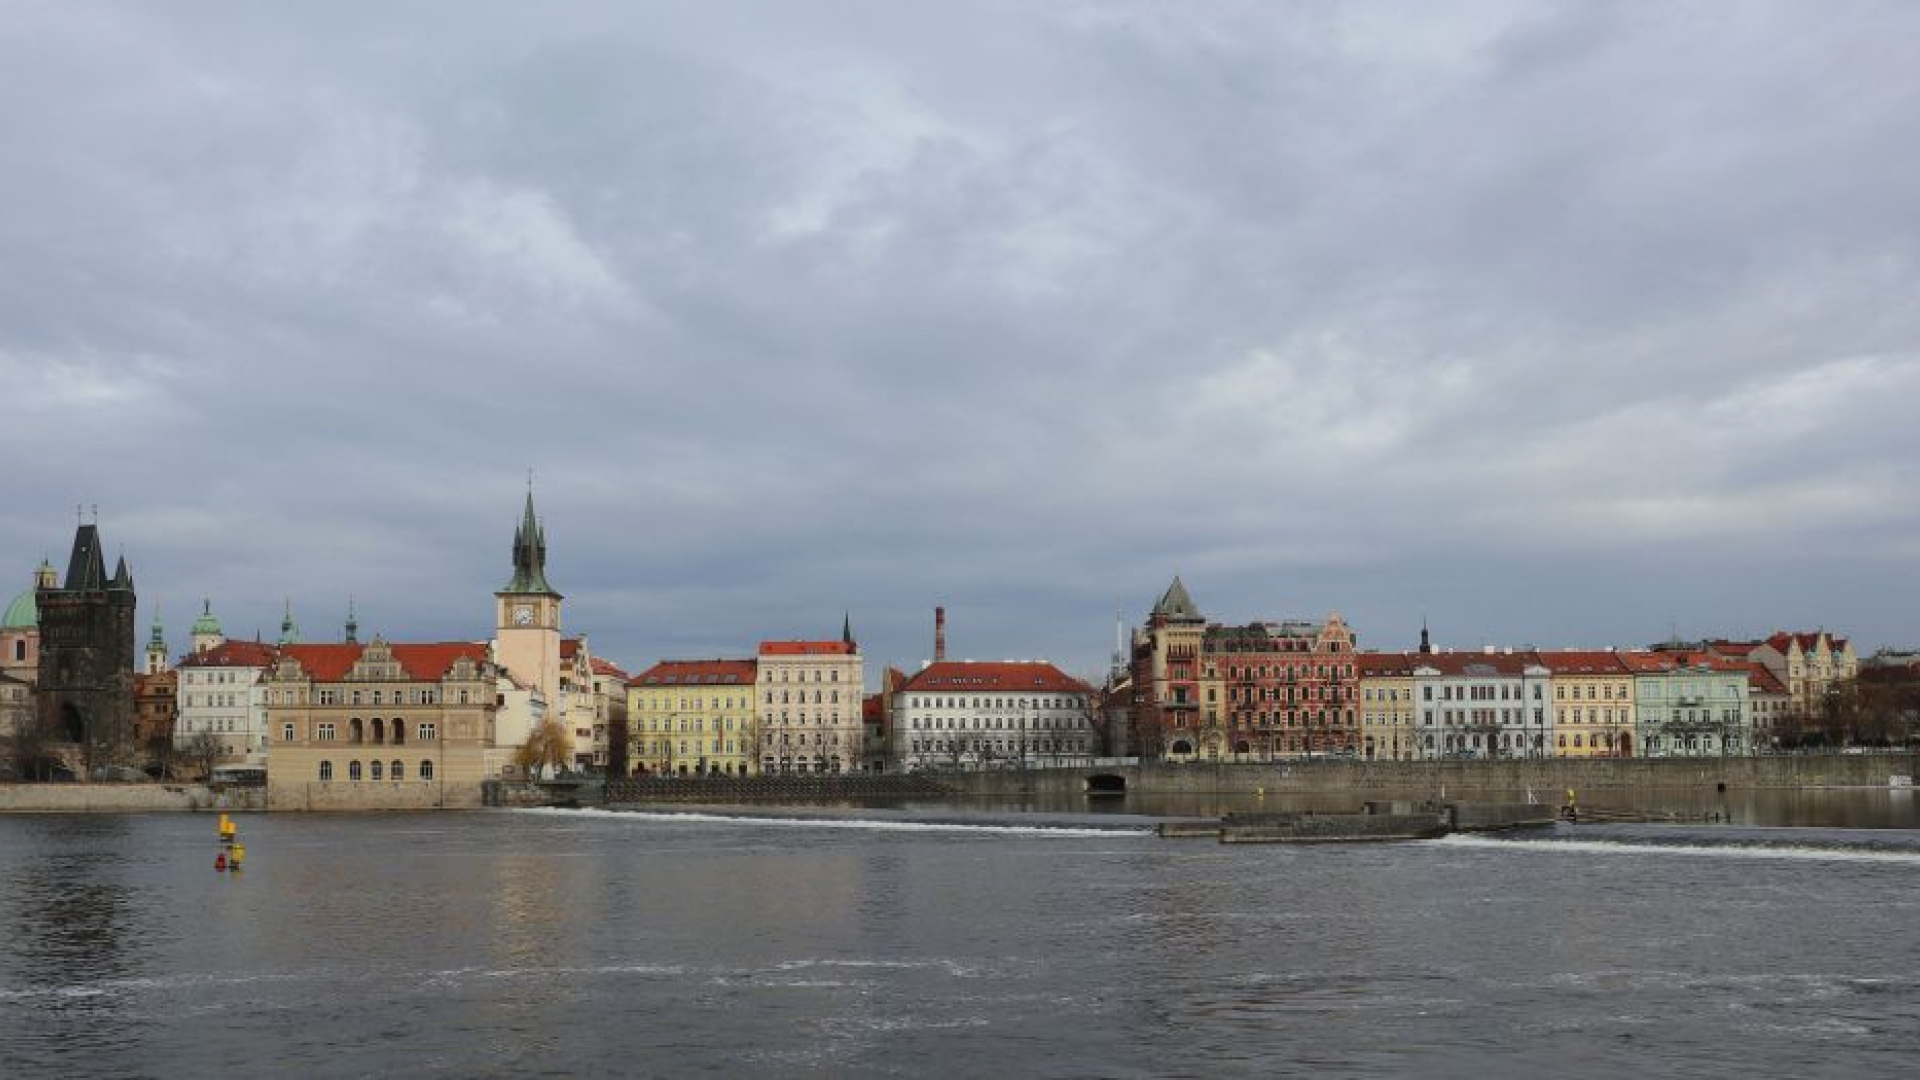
x: 1106, y: 784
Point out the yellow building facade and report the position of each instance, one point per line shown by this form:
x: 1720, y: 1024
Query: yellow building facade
x: 1592, y: 703
x: 692, y: 717
x: 1386, y: 706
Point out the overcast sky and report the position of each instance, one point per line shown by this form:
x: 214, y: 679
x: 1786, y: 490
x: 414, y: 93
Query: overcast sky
x: 1559, y: 323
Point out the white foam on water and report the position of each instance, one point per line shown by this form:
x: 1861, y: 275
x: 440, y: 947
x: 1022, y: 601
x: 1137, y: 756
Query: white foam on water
x: 655, y: 817
x: 1721, y: 851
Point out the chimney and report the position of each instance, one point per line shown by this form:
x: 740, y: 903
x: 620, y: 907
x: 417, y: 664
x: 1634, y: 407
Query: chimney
x: 939, y: 634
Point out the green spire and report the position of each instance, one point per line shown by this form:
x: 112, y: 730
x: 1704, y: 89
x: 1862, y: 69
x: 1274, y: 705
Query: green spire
x: 289, y: 630
x: 157, y: 637
x: 530, y: 557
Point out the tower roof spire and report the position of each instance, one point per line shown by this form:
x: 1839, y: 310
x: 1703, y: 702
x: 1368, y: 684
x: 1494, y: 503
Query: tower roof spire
x: 530, y: 554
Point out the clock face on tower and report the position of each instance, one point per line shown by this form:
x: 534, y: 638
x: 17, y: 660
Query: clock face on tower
x: 522, y: 615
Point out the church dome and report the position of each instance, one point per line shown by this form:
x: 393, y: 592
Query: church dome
x: 22, y: 614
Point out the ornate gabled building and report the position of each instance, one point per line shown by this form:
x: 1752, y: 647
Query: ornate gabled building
x: 379, y: 726
x: 88, y: 655
x: 1262, y: 691
x: 1810, y: 664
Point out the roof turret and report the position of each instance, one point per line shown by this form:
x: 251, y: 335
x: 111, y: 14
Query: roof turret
x: 1176, y: 606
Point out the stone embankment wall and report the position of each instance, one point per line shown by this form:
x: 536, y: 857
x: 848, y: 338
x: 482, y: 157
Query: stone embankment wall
x: 374, y: 795
x: 125, y: 798
x: 1428, y: 778
x: 720, y: 789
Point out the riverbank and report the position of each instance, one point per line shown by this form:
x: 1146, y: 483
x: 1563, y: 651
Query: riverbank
x: 126, y: 798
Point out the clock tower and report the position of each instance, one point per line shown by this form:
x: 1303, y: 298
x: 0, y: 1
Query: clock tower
x: 527, y: 638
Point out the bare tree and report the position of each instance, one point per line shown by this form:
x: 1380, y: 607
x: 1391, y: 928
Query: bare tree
x: 203, y: 751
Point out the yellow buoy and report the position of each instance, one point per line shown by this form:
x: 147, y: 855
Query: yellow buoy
x: 239, y: 855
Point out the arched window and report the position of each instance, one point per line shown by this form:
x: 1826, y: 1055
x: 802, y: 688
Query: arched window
x: 326, y: 771
x: 399, y: 731
x: 374, y: 770
x: 426, y: 770
x: 399, y: 771
x: 20, y: 649
x: 353, y: 770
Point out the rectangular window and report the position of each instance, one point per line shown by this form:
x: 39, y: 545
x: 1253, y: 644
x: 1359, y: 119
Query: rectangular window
x: 324, y: 733
x: 426, y: 732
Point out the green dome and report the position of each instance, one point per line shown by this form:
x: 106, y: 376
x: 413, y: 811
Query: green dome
x: 206, y: 623
x: 22, y: 614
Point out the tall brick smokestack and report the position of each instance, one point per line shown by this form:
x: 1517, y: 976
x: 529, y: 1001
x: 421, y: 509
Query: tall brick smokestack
x: 939, y: 634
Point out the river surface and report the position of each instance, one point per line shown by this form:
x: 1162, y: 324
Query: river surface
x: 584, y: 943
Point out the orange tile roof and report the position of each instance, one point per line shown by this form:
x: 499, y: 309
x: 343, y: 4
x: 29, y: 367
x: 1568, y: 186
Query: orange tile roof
x: 963, y: 676
x: 806, y: 648
x: 427, y: 662
x: 602, y: 667
x: 698, y: 673
x: 569, y: 648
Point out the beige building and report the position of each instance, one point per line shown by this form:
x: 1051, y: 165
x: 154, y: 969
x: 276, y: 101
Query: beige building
x: 809, y: 696
x: 1593, y: 706
x: 1386, y: 706
x: 693, y: 717
x: 378, y: 726
x: 609, y: 715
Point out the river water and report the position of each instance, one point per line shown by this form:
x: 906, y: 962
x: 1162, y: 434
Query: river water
x: 582, y: 943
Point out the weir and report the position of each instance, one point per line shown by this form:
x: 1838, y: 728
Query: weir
x: 1546, y: 777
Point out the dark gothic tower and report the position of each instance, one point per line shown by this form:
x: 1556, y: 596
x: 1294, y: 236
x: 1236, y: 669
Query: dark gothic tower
x: 87, y: 653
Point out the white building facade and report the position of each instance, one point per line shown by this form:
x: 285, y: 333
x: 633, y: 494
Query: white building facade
x: 221, y: 693
x: 1489, y: 704
x: 984, y: 715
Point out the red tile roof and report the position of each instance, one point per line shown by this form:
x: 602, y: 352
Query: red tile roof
x: 1584, y: 662
x: 806, y: 648
x: 1378, y: 664
x: 1668, y: 659
x: 963, y: 676
x: 1762, y: 678
x: 602, y: 667
x: 1738, y: 650
x: 1782, y: 639
x: 698, y: 673
x: 232, y: 654
x: 1477, y: 664
x: 569, y: 647
x: 423, y: 662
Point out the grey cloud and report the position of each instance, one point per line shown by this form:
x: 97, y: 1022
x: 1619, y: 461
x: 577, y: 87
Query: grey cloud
x: 1559, y: 322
